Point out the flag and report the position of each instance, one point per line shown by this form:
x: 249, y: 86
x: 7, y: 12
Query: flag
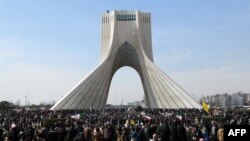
x: 148, y: 117
x: 205, y: 106
x: 76, y: 116
x: 130, y: 121
x: 82, y: 115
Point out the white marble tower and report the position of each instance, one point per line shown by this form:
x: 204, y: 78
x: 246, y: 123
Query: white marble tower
x: 126, y: 41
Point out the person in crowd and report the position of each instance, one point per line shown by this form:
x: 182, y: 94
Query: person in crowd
x: 30, y: 131
x: 214, y: 130
x: 163, y: 131
x: 220, y: 134
x: 146, y: 132
x: 97, y: 134
x: 71, y: 133
x: 135, y: 133
x: 181, y: 130
x: 155, y: 137
x: 106, y: 133
x: 14, y: 132
x: 173, y: 130
x: 120, y: 135
x: 87, y: 133
x: 205, y: 134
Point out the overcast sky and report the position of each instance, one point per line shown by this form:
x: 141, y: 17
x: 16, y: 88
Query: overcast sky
x: 47, y: 47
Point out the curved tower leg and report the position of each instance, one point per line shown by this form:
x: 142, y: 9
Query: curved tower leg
x: 90, y: 92
x: 164, y: 92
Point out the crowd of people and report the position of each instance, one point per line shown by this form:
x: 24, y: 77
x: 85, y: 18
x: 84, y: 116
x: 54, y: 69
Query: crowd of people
x: 118, y: 125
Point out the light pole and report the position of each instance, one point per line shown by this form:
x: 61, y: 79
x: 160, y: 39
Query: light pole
x: 26, y: 100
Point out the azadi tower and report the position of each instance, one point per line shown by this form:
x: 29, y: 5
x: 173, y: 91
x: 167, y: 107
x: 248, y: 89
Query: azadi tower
x: 126, y: 41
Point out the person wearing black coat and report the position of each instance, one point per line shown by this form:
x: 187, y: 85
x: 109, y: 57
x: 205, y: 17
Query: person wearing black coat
x: 14, y: 134
x: 163, y: 131
x: 182, y: 134
x: 173, y: 131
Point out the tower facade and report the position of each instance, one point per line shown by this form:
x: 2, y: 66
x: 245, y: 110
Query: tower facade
x: 126, y: 41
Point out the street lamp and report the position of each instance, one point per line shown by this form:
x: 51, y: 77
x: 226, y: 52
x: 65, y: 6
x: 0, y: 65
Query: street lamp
x: 26, y: 100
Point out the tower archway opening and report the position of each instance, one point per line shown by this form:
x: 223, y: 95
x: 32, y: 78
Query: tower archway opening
x: 126, y: 87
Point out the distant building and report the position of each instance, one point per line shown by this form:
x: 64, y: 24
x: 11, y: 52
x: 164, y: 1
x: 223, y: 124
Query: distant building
x: 248, y: 99
x: 227, y: 100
